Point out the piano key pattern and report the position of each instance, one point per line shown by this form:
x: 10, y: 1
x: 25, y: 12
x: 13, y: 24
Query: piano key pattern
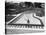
x: 34, y: 26
x: 23, y: 28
